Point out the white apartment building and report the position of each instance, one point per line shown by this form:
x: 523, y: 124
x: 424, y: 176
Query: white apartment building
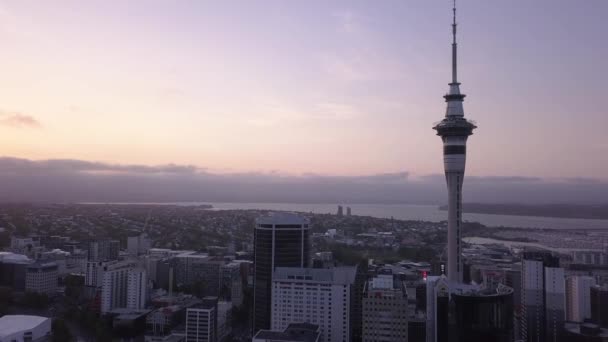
x: 318, y: 296
x: 578, y: 297
x: 123, y: 286
x: 137, y: 289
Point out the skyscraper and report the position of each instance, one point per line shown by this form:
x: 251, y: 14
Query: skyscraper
x: 137, y: 289
x: 599, y: 305
x: 454, y: 130
x: 280, y: 240
x: 543, y: 297
x: 385, y: 310
x: 578, y: 297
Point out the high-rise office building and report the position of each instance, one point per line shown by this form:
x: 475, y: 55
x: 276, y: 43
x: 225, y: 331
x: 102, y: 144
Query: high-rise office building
x: 280, y: 240
x: 356, y: 316
x: 201, y: 321
x: 543, y: 297
x: 578, y: 298
x: 186, y: 266
x: 454, y: 130
x: 385, y: 314
x: 12, y: 270
x: 599, y: 305
x: 139, y: 244
x: 41, y: 277
x: 437, y: 308
x: 313, y: 295
x: 232, y: 283
x: 481, y: 314
x: 458, y: 312
x: 104, y: 250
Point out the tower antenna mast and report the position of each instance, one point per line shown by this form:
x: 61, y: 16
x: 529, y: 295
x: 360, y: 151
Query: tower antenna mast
x: 454, y: 52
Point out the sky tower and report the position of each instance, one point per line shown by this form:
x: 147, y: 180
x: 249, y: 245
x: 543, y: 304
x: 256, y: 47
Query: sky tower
x: 454, y: 130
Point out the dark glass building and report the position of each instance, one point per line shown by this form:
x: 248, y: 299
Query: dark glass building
x: 482, y: 316
x: 599, y: 306
x: 280, y: 240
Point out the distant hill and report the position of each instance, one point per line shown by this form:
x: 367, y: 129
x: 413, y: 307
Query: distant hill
x: 544, y: 210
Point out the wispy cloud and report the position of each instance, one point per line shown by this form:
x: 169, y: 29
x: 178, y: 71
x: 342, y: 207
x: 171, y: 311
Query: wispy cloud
x: 18, y: 165
x: 20, y: 120
x: 347, y: 21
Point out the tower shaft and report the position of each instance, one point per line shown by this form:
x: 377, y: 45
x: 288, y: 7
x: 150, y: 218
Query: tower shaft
x: 454, y: 130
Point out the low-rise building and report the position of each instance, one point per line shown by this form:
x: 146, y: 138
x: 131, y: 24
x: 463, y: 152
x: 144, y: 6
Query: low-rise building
x: 24, y: 328
x: 295, y: 332
x: 201, y: 321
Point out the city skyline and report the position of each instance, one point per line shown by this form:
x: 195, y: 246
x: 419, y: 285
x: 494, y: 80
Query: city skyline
x: 353, y: 87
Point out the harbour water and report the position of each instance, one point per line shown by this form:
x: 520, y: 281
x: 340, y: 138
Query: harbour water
x: 422, y: 213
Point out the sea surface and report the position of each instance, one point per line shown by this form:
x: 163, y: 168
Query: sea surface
x: 418, y: 212
x: 476, y: 240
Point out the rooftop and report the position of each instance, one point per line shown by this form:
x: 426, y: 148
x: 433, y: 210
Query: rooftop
x: 382, y: 281
x: 11, y: 324
x: 13, y: 258
x: 301, y: 332
x: 341, y: 275
x: 282, y: 218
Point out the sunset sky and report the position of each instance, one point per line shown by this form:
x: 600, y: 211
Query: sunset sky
x: 295, y: 87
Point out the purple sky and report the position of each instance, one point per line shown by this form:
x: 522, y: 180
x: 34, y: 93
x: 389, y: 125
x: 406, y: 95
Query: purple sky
x: 325, y: 87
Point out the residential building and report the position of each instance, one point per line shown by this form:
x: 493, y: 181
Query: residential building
x: 114, y: 287
x: 543, y: 296
x: 578, y: 298
x: 137, y: 289
x: 123, y: 286
x: 104, y: 250
x: 319, y: 296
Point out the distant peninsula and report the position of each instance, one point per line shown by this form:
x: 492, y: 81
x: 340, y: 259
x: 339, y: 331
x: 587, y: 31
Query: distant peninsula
x: 577, y: 211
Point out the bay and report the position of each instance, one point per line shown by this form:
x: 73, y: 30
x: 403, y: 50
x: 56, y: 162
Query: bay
x: 420, y: 212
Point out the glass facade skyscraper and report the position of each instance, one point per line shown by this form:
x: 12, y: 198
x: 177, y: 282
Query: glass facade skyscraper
x: 280, y: 240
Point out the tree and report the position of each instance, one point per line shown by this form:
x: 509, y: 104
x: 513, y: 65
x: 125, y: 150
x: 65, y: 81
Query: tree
x: 6, y: 298
x: 35, y: 300
x: 60, y: 331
